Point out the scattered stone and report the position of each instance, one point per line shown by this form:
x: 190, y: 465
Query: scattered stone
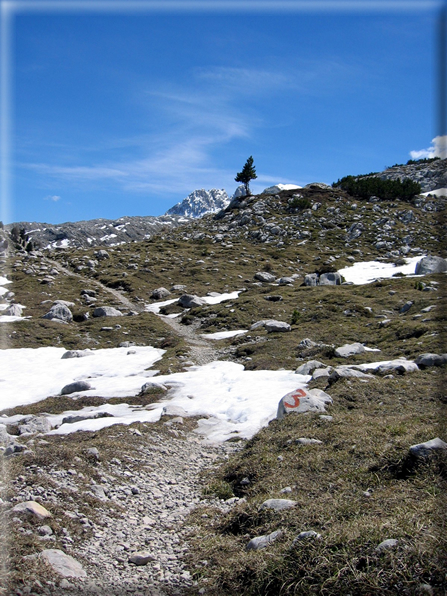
x: 309, y: 367
x: 13, y: 310
x: 44, y: 531
x: 302, y: 400
x: 33, y: 508
x: 141, y: 558
x: 406, y: 307
x: 190, y: 301
x: 107, y: 311
x: 429, y: 265
x: 153, y: 385
x: 76, y: 354
x: 263, y: 541
x: 387, y: 544
x: 321, y: 373
x: 265, y: 277
x: 278, y: 504
x: 427, y: 360
x: 75, y: 387
x: 59, y: 312
x: 160, y: 293
x: 424, y: 449
x: 102, y: 254
x: 330, y: 279
x: 277, y: 326
x: 93, y: 453
x: 311, y: 279
x: 310, y: 534
x: 306, y: 441
x: 62, y: 564
x: 350, y: 350
x: 37, y: 424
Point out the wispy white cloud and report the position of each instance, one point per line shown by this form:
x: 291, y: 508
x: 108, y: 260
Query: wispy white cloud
x: 437, y: 149
x: 54, y: 198
x: 188, y: 123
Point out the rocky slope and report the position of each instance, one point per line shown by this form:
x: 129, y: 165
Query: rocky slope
x: 431, y: 175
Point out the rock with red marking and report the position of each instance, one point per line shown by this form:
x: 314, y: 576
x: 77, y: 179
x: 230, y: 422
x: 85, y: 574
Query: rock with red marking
x: 302, y: 400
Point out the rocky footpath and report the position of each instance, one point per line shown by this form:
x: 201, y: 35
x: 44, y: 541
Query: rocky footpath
x: 122, y: 520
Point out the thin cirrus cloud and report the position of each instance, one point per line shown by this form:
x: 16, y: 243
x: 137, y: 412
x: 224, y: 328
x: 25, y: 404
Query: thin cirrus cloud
x: 53, y: 198
x: 189, y: 122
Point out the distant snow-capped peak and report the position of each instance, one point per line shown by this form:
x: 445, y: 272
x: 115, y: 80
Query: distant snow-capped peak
x: 200, y: 202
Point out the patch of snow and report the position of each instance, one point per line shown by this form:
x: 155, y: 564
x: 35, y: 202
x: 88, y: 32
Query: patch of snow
x: 369, y: 271
x: 277, y: 188
x: 439, y: 192
x: 223, y: 334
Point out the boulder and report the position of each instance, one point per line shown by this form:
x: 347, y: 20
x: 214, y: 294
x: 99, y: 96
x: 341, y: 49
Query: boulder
x: 311, y: 279
x: 275, y: 326
x: 309, y: 367
x: 107, y: 311
x: 32, y: 508
x: 190, y: 301
x: 102, y: 254
x: 347, y: 372
x: 160, y: 293
x: 386, y: 544
x: 426, y: 360
x: 283, y: 281
x: 330, y: 279
x: 429, y: 265
x: 59, y: 312
x: 13, y: 310
x: 265, y: 276
x: 322, y: 373
x: 406, y: 307
x: 62, y: 564
x: 263, y: 541
x: 424, y: 449
x: 141, y: 558
x: 310, y: 534
x: 5, y: 437
x: 75, y: 387
x: 76, y: 354
x: 302, y: 400
x: 278, y: 504
x: 349, y: 350
x: 37, y: 424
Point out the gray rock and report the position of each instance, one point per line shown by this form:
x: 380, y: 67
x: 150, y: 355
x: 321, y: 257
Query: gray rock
x: 98, y: 492
x: 347, y: 372
x: 321, y: 373
x: 265, y: 276
x: 13, y: 310
x: 387, y: 544
x: 160, y: 293
x: 33, y: 508
x: 76, y: 354
x: 59, y: 312
x: 174, y: 411
x: 309, y: 367
x: 282, y: 281
x: 349, y: 350
x: 330, y: 279
x: 311, y: 279
x: 153, y: 385
x: 37, y: 424
x: 44, y: 531
x: 62, y: 564
x: 107, y: 311
x: 263, y: 541
x: 141, y: 558
x: 275, y: 326
x: 429, y: 265
x: 5, y: 437
x: 93, y: 453
x: 406, y: 307
x: 310, y: 534
x: 424, y: 449
x: 426, y: 360
x: 76, y: 386
x: 399, y: 366
x: 278, y: 504
x: 190, y: 301
x: 102, y: 254
x: 307, y: 441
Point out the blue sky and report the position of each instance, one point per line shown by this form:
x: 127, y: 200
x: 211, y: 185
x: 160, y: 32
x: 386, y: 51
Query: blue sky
x: 126, y: 113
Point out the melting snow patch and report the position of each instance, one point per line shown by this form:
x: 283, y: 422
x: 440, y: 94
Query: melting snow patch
x: 223, y: 334
x: 369, y: 271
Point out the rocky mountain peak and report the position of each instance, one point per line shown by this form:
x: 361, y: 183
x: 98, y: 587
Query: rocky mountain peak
x: 200, y: 202
x: 430, y: 174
